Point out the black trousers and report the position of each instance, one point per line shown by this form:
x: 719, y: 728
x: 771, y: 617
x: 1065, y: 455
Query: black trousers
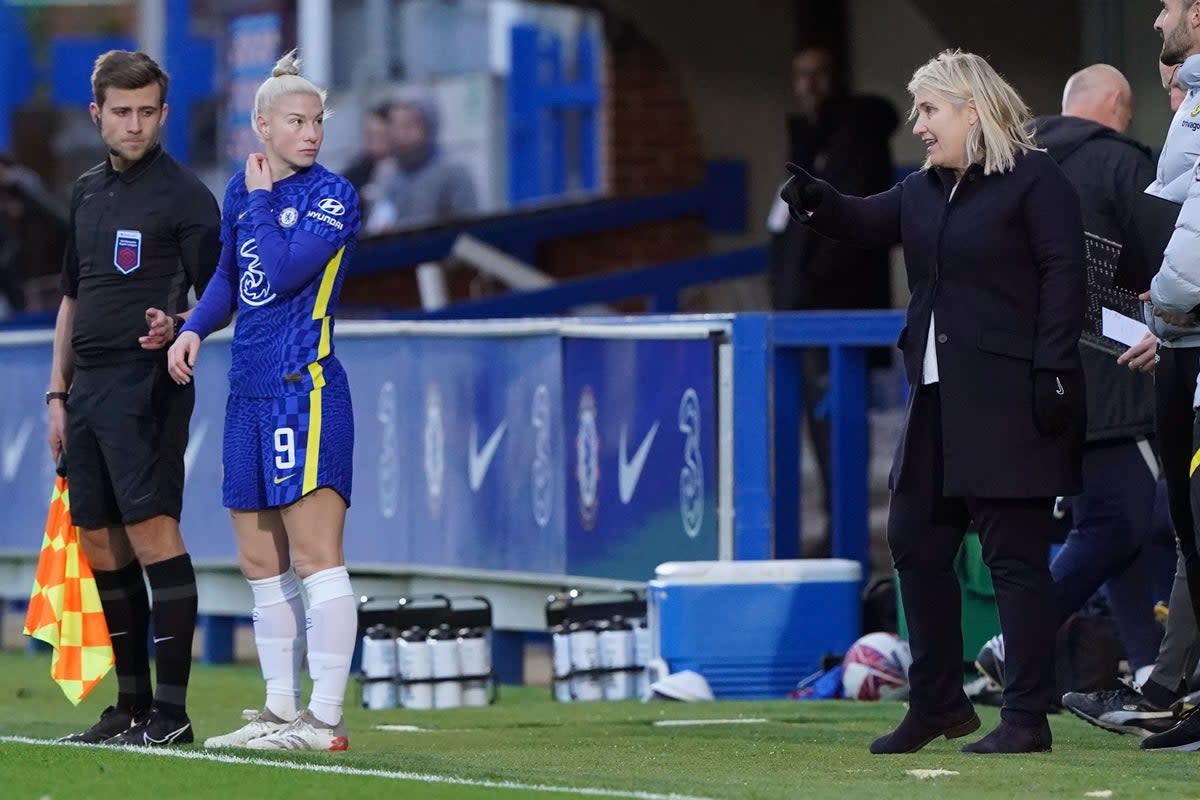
x: 925, y: 531
x: 1174, y: 389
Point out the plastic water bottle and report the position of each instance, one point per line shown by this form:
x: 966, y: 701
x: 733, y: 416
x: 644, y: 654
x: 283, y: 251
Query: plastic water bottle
x: 585, y: 656
x: 444, y: 644
x: 615, y: 641
x: 415, y: 663
x: 378, y: 668
x: 476, y: 660
x: 641, y: 658
x: 561, y: 641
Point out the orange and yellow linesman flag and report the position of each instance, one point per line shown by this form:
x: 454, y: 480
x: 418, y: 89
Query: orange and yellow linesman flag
x: 64, y: 607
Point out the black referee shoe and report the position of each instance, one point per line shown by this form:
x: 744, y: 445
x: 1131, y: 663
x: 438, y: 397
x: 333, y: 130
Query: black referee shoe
x: 113, y: 721
x: 156, y: 729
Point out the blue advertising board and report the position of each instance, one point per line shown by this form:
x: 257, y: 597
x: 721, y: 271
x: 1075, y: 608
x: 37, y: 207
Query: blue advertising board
x: 26, y: 470
x: 524, y: 453
x: 640, y: 420
x: 445, y: 455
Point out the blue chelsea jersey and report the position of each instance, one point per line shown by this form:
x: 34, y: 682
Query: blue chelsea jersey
x: 282, y: 343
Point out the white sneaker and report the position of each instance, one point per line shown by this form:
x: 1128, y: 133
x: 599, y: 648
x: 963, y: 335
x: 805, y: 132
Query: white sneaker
x: 262, y: 723
x: 305, y: 733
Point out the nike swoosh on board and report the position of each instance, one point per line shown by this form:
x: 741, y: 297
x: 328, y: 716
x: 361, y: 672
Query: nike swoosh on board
x: 478, y: 461
x: 629, y: 471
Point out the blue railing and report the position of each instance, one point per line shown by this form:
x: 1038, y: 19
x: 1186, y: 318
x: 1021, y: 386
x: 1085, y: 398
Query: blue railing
x: 768, y: 384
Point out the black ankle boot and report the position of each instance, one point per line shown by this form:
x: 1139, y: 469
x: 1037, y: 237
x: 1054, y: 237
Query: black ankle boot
x: 914, y: 732
x: 1011, y: 738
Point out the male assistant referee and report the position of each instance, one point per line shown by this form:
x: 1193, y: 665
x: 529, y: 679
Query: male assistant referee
x: 144, y: 230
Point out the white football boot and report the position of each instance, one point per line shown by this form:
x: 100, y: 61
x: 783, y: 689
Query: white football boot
x: 262, y: 723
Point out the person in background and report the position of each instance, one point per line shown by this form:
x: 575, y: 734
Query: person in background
x: 1172, y: 350
x: 845, y: 139
x: 427, y: 187
x: 374, y: 169
x: 1110, y: 540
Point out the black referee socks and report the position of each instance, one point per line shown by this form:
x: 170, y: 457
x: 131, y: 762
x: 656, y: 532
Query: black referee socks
x: 127, y: 612
x: 173, y: 584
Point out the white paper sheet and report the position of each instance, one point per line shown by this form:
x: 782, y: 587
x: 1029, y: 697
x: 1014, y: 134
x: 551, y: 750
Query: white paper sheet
x: 1121, y: 328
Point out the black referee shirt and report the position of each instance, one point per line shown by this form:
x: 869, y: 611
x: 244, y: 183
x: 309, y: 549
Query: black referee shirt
x: 140, y: 239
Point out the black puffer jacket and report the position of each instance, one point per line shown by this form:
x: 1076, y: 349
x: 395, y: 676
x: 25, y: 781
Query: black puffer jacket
x: 1110, y: 172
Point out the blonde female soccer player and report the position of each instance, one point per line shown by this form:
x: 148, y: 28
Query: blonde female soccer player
x: 288, y: 226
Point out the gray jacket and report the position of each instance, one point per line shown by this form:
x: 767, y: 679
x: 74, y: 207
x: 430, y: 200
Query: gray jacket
x: 1176, y: 287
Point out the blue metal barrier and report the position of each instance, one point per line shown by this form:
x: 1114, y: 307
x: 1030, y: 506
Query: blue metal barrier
x: 768, y: 385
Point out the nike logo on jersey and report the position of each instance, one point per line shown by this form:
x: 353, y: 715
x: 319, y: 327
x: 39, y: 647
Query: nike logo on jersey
x: 158, y: 639
x: 478, y: 460
x: 629, y: 472
x: 288, y: 477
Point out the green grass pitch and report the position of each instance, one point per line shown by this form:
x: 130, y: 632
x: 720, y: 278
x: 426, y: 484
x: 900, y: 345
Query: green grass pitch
x: 527, y: 746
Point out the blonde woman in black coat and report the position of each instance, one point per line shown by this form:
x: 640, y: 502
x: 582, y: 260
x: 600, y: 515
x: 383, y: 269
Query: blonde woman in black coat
x: 993, y: 244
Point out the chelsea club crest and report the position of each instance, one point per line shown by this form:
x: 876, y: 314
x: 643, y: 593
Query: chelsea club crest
x: 289, y: 217
x: 587, y: 459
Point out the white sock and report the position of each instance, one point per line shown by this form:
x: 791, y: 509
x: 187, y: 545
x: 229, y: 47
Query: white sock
x: 1141, y: 675
x: 332, y: 627
x: 278, y: 615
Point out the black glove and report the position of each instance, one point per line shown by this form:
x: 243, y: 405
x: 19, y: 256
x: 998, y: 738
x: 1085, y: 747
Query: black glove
x: 1056, y: 396
x: 802, y: 192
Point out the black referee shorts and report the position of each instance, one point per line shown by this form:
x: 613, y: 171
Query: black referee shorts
x: 127, y: 429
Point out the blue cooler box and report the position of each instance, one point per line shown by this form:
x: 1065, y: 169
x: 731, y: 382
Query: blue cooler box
x: 753, y: 629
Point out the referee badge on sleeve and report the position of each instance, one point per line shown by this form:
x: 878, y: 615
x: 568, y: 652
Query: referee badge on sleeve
x: 127, y: 251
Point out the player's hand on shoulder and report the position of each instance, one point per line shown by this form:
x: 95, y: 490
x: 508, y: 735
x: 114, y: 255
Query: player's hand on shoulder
x: 258, y: 173
x: 182, y: 357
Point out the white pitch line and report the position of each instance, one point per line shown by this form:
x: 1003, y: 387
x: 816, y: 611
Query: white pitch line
x: 201, y: 755
x: 671, y: 723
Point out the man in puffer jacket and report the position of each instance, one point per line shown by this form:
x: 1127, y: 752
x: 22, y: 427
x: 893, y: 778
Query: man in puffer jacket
x: 1174, y: 295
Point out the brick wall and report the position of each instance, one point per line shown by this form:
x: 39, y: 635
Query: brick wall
x: 653, y: 147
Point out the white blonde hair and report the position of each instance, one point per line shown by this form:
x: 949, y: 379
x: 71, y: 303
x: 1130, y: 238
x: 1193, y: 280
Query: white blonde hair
x: 965, y: 78
x: 285, y: 79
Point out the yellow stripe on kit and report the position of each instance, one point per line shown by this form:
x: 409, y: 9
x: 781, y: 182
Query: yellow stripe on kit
x: 322, y: 305
x: 312, y: 452
x: 1195, y: 463
x: 320, y: 311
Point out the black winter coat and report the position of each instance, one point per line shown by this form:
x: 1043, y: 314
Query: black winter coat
x: 1111, y: 172
x: 1001, y: 264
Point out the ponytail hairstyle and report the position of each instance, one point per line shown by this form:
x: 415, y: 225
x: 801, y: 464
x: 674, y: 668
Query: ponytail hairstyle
x: 285, y: 79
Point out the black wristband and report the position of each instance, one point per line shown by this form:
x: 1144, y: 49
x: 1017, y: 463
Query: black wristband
x: 55, y: 396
